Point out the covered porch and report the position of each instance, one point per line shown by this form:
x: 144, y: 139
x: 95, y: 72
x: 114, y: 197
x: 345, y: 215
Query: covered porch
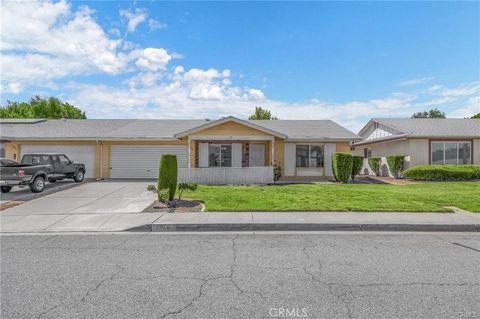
x: 235, y: 160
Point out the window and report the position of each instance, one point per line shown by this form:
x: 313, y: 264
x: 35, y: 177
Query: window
x: 367, y: 152
x: 220, y: 155
x: 309, y: 155
x: 35, y: 159
x: 63, y: 160
x: 452, y: 153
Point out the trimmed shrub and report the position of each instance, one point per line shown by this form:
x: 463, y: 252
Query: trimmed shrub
x: 167, y: 175
x: 189, y: 186
x: 357, y: 163
x: 374, y: 163
x: 163, y: 195
x: 342, y: 166
x: 443, y: 172
x: 277, y: 171
x: 395, y: 164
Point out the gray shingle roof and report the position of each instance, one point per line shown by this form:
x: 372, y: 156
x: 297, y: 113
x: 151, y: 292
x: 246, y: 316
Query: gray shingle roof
x: 156, y: 129
x: 308, y: 129
x: 424, y: 127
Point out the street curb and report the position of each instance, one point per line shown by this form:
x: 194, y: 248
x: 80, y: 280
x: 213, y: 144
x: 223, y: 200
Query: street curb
x: 222, y: 227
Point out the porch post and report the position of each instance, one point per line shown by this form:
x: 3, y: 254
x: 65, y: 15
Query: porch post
x: 273, y: 151
x: 189, y: 152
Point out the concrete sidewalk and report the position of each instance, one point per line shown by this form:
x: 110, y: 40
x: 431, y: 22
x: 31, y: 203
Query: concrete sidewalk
x: 316, y: 221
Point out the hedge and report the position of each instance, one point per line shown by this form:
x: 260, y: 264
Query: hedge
x: 342, y: 166
x: 443, y: 172
x: 395, y: 164
x: 374, y: 163
x: 167, y: 175
x: 357, y: 163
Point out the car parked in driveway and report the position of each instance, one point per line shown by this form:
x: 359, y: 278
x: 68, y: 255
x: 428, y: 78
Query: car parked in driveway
x: 36, y: 169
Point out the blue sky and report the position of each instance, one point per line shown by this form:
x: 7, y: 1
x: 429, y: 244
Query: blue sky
x: 348, y: 61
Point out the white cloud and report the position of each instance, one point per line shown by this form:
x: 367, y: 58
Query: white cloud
x: 463, y: 90
x: 156, y: 25
x: 134, y: 18
x: 45, y: 40
x: 471, y: 108
x: 152, y: 59
x: 418, y: 81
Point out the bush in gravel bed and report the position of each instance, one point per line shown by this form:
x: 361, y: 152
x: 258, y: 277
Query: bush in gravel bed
x: 342, y: 166
x: 395, y: 164
x: 443, y: 172
x: 374, y: 163
x: 187, y: 186
x: 357, y: 163
x: 167, y: 175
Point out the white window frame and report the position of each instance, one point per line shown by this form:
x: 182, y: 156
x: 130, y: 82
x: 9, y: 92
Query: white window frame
x: 444, y: 142
x: 309, y: 146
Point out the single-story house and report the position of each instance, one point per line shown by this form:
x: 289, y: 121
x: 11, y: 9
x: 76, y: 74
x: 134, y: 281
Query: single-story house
x: 228, y: 150
x: 420, y: 140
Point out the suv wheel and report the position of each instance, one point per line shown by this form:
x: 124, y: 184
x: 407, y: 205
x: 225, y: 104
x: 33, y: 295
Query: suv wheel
x: 38, y: 184
x: 5, y: 189
x: 79, y: 176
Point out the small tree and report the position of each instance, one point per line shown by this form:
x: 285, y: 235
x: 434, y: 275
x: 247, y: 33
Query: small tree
x: 261, y: 114
x: 395, y: 164
x: 190, y: 186
x: 168, y: 174
x: 374, y: 163
x: 342, y: 166
x: 432, y: 114
x: 357, y: 163
x: 476, y: 116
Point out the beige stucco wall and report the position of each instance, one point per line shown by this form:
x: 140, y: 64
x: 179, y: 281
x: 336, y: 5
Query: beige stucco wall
x: 12, y: 151
x: 419, y: 151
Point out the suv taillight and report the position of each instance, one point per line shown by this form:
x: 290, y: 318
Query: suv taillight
x: 21, y: 173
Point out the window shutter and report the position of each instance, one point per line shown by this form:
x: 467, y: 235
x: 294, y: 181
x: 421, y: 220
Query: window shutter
x: 289, y: 159
x: 202, y: 154
x: 330, y: 148
x: 236, y: 154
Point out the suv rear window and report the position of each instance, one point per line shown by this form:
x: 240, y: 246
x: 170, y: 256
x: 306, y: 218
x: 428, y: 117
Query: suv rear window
x: 35, y: 159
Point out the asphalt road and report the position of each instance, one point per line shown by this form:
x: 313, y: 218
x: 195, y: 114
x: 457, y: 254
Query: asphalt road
x: 329, y: 275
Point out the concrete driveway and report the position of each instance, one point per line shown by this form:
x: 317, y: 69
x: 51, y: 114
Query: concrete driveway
x: 25, y: 194
x: 96, y: 206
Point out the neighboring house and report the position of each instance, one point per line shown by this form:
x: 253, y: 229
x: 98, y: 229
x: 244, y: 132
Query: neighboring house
x: 228, y: 150
x: 421, y: 141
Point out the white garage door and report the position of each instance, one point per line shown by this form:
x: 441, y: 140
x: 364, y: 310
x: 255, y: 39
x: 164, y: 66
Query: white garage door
x: 142, y: 161
x: 79, y: 153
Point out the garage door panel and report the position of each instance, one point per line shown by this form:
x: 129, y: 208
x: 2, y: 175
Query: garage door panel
x: 84, y: 154
x: 142, y: 161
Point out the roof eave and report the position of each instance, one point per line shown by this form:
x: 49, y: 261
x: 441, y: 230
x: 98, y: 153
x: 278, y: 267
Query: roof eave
x: 146, y: 138
x: 380, y: 140
x: 226, y: 119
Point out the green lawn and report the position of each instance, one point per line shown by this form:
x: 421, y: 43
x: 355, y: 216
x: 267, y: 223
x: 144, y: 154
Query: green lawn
x: 422, y: 197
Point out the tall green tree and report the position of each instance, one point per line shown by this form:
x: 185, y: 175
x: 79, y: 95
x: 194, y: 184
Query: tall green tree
x: 476, y: 116
x: 262, y: 114
x: 51, y: 108
x: 432, y: 114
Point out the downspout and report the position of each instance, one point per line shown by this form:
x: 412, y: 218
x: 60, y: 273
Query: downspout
x: 101, y: 159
